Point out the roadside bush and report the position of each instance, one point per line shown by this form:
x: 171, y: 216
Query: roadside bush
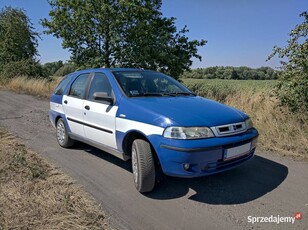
x: 51, y: 67
x: 292, y: 89
x: 65, y: 69
x: 28, y: 67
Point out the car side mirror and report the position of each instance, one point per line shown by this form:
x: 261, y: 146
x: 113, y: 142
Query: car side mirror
x: 103, y: 96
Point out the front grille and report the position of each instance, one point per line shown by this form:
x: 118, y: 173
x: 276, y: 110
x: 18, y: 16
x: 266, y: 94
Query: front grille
x: 229, y: 129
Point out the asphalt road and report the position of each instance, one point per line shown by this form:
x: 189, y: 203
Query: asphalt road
x: 268, y: 185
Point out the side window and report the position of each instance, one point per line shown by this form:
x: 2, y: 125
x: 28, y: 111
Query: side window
x: 78, y: 88
x: 59, y: 90
x: 100, y: 83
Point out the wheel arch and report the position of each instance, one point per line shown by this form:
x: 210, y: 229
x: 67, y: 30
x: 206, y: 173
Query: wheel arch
x: 64, y: 120
x: 57, y: 118
x: 129, y: 139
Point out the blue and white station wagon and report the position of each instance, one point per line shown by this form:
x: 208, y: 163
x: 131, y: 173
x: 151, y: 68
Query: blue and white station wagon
x: 153, y: 120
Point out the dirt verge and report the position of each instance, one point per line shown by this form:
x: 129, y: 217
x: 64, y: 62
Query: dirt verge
x: 36, y: 195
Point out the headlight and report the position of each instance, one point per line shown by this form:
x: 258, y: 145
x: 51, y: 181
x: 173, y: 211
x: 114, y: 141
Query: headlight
x: 248, y: 124
x: 188, y: 132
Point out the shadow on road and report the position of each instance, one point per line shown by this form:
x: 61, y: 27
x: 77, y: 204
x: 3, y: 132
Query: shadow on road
x: 103, y: 155
x: 240, y: 185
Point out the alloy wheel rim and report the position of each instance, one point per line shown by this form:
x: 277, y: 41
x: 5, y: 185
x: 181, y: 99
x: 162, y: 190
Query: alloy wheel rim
x: 135, y: 165
x: 61, y: 132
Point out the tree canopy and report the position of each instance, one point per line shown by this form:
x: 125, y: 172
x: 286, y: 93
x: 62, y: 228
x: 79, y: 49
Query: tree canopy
x: 127, y: 33
x: 50, y: 68
x: 292, y: 89
x: 18, y: 44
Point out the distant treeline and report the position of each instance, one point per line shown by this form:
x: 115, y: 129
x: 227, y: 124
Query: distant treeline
x: 229, y: 72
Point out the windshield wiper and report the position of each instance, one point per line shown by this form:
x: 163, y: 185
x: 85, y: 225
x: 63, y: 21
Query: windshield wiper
x: 172, y: 94
x: 150, y: 94
x: 182, y: 93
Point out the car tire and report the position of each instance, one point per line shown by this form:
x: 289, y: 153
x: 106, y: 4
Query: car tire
x: 62, y: 136
x: 143, y: 166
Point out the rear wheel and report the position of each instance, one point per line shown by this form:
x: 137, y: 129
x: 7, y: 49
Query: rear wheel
x: 143, y: 166
x: 62, y: 136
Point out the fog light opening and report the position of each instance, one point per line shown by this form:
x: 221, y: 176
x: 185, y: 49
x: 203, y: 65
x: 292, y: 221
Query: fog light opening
x: 186, y: 166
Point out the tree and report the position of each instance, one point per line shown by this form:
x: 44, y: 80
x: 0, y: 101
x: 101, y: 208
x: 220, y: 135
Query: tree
x: 50, y: 68
x: 65, y: 69
x: 128, y: 33
x: 234, y: 73
x: 292, y: 89
x: 18, y: 44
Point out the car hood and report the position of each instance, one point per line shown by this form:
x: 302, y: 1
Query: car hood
x: 189, y: 111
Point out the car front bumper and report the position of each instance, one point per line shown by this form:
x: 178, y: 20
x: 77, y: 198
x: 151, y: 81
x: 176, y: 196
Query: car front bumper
x: 204, y: 156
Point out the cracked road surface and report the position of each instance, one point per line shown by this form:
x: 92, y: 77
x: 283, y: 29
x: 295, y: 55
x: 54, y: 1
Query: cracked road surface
x: 266, y: 185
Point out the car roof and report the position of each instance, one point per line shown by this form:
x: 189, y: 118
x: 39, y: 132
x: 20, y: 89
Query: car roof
x: 109, y: 70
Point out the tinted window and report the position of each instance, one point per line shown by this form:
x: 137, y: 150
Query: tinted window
x: 100, y: 83
x: 78, y: 88
x: 62, y: 85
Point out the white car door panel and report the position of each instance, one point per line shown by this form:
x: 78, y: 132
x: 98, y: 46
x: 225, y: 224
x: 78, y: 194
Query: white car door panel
x: 99, y: 123
x: 99, y: 117
x: 74, y: 114
x: 73, y: 104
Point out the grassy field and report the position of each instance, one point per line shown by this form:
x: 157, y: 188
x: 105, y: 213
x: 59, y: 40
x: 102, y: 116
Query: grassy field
x: 220, y: 89
x: 235, y: 84
x: 280, y: 130
x: 36, y: 195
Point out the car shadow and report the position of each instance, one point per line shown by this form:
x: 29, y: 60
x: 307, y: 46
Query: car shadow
x: 245, y: 183
x: 103, y: 155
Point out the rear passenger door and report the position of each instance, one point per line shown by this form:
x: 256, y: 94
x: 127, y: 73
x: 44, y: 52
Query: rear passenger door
x: 73, y: 104
x: 99, y: 116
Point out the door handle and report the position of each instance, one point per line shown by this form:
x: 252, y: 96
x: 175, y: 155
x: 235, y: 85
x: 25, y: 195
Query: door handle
x: 65, y: 102
x: 87, y: 107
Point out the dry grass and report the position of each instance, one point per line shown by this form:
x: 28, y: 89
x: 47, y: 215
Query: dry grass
x: 280, y: 130
x: 38, y: 87
x: 36, y: 195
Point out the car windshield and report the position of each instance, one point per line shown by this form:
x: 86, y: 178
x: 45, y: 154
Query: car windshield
x: 149, y: 83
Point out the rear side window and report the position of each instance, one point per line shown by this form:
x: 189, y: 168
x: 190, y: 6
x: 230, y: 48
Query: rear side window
x: 79, y: 86
x: 100, y: 83
x: 62, y: 85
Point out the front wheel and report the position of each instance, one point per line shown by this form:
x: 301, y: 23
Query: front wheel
x: 143, y: 166
x: 62, y: 136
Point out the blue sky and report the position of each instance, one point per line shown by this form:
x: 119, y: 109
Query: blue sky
x: 239, y: 32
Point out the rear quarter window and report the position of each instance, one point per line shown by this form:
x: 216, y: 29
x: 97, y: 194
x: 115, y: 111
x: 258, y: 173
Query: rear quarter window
x: 59, y: 90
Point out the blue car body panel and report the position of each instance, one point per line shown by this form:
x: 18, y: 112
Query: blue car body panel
x: 205, y: 156
x: 180, y: 110
x: 173, y: 154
